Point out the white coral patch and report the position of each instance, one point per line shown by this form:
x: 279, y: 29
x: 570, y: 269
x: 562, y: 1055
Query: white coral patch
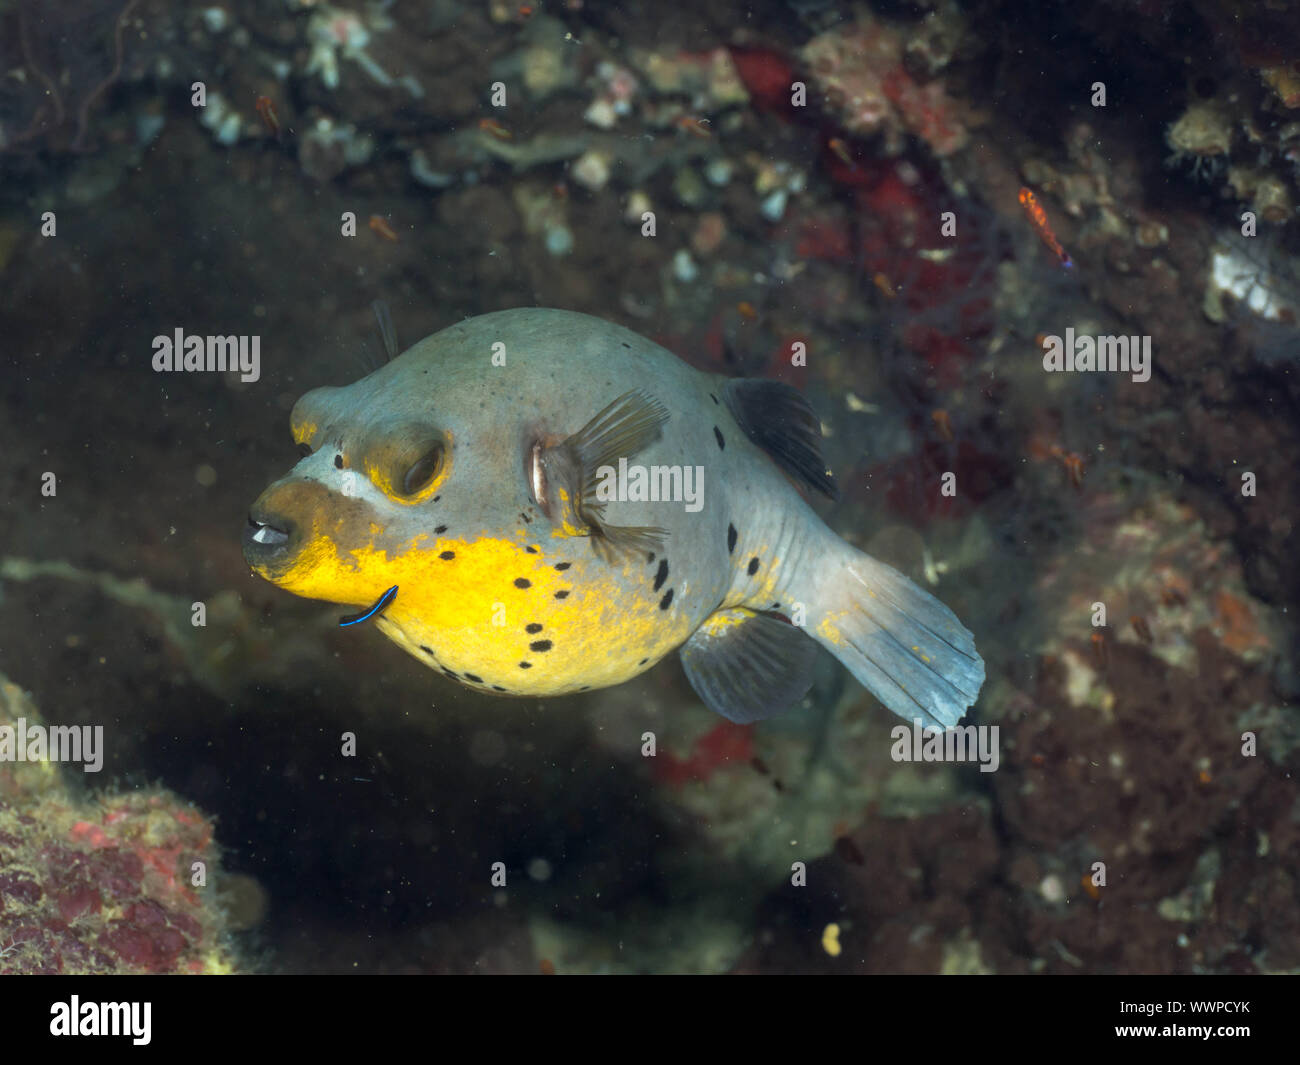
x: 1233, y: 273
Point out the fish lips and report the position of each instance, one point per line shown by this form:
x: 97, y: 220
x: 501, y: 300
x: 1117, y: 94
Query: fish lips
x: 271, y: 542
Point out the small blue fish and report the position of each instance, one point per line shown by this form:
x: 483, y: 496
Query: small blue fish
x: 357, y: 619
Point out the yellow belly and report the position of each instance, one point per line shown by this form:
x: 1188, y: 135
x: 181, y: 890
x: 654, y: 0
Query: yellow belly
x: 495, y: 615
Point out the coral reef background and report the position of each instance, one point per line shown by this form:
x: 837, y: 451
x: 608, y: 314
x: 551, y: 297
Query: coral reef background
x: 127, y: 211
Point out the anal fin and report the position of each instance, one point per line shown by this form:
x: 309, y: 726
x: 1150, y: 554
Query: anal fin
x: 779, y: 420
x: 749, y: 666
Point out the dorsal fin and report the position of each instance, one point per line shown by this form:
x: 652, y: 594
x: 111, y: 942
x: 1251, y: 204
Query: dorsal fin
x: 779, y: 420
x: 386, y: 330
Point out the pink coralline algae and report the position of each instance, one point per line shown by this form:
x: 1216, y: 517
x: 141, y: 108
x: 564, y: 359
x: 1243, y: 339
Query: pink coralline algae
x: 109, y: 882
x: 104, y: 883
x: 860, y: 74
x: 105, y: 887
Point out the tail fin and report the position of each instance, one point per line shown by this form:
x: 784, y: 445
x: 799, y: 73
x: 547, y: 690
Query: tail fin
x: 902, y: 644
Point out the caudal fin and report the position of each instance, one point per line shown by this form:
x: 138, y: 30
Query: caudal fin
x: 900, y: 642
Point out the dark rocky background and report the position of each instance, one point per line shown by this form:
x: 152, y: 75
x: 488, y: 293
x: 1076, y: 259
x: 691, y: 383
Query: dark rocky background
x: 1120, y: 744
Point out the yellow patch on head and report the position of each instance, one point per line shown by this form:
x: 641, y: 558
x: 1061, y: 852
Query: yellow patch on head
x: 304, y: 432
x: 388, y: 460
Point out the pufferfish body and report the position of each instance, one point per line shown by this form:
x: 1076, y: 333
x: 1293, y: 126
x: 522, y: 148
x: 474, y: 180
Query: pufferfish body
x: 560, y: 503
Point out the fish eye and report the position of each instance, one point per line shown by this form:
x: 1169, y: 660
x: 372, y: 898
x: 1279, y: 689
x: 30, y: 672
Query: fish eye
x: 424, y: 470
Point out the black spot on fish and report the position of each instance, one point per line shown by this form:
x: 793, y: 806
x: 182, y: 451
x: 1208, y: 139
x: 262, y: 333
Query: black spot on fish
x: 661, y: 574
x: 450, y: 673
x: 563, y: 565
x: 627, y: 345
x: 498, y: 688
x: 474, y: 679
x: 440, y: 528
x: 722, y: 444
x: 338, y: 462
x: 525, y: 665
x: 643, y: 662
x: 713, y: 397
x: 527, y: 519
x: 531, y: 550
x: 448, y: 555
x: 562, y: 595
x: 427, y: 650
x: 731, y: 538
x: 540, y: 645
x: 533, y: 627
x: 776, y: 606
x: 650, y: 558
x: 436, y: 498
x: 666, y: 601
x: 585, y: 688
x: 523, y: 582
x: 753, y: 565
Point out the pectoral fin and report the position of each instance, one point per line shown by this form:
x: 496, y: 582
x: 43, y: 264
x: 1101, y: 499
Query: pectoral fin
x: 571, y: 473
x: 612, y: 541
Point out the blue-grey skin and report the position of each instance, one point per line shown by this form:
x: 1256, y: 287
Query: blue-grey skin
x: 719, y: 577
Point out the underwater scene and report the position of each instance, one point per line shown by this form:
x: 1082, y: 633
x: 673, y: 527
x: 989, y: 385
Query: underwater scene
x: 577, y: 487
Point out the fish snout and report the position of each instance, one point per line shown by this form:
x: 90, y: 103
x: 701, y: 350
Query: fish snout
x: 278, y: 524
x: 270, y: 538
x: 291, y: 529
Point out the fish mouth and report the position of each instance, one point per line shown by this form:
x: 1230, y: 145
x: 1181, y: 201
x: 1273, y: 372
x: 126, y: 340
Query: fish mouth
x: 268, y: 539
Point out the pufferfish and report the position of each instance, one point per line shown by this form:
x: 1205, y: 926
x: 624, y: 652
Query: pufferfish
x: 561, y: 503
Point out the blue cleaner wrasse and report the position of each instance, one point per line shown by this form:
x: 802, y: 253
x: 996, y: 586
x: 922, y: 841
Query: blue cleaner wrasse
x: 349, y: 620
x: 551, y: 538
